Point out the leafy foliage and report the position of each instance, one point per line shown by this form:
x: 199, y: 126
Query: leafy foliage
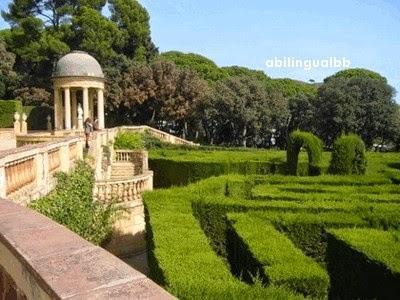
x: 348, y: 156
x: 129, y: 141
x: 204, y: 67
x: 312, y: 144
x: 357, y: 73
x: 71, y: 204
x: 7, y: 110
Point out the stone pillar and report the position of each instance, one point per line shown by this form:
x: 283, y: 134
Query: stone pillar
x: 100, y: 108
x: 64, y: 157
x: 85, y: 103
x: 60, y: 110
x: 3, y: 180
x: 74, y: 110
x: 67, y: 108
x: 91, y: 105
x: 56, y: 108
x: 80, y: 117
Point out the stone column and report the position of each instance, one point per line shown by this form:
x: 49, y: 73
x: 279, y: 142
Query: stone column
x: 74, y: 110
x: 56, y: 108
x: 60, y: 110
x: 67, y: 108
x: 91, y: 105
x: 100, y: 108
x: 85, y: 103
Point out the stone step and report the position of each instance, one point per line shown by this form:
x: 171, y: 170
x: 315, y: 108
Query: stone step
x: 122, y: 171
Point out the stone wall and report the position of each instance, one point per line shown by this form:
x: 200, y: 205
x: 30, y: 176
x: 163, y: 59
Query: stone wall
x: 40, y: 259
x: 8, y: 287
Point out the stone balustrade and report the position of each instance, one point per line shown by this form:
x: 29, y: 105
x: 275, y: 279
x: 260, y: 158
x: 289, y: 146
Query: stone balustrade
x: 139, y: 158
x: 163, y: 136
x: 26, y: 172
x: 123, y: 191
x: 40, y: 259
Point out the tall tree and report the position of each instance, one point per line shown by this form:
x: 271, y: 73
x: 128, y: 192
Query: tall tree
x: 96, y: 34
x: 361, y: 105
x: 8, y: 77
x: 134, y: 22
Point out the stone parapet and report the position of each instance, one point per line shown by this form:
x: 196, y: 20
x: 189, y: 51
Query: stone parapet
x: 26, y: 172
x: 40, y: 259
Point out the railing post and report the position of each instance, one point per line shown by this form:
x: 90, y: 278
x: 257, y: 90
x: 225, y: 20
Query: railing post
x: 3, y: 181
x: 39, y: 165
x: 64, y: 157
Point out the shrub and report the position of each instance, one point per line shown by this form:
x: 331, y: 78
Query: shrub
x: 364, y: 264
x: 313, y: 146
x: 7, y: 110
x: 129, y: 141
x: 71, y: 204
x: 348, y: 156
x: 37, y: 116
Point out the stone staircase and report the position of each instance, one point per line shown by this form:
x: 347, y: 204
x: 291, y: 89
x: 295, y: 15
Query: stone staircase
x: 122, y: 171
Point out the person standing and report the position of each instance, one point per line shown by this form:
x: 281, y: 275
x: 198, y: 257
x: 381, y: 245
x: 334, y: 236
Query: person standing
x: 88, y: 130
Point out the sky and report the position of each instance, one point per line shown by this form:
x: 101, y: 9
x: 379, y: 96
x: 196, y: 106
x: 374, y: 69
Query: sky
x: 248, y: 33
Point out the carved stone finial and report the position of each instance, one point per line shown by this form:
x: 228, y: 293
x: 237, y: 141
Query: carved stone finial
x: 17, y: 116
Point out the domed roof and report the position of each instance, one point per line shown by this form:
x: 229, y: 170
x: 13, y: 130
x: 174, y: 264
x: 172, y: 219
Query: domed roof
x: 78, y: 63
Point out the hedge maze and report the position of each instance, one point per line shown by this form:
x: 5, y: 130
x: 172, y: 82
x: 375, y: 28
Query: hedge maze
x: 279, y: 237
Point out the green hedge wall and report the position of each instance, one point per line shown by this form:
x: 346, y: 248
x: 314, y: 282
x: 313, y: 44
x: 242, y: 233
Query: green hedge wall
x: 180, y: 256
x: 312, y: 144
x: 348, y: 156
x: 7, y: 110
x: 284, y: 264
x: 37, y: 115
x: 363, y: 264
x: 169, y: 173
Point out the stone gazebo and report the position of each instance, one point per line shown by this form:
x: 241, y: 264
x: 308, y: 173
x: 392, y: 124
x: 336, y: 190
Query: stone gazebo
x: 78, y: 81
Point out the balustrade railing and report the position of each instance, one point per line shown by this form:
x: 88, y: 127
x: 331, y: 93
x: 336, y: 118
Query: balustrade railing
x: 20, y: 173
x: 26, y: 172
x: 123, y: 191
x: 73, y: 148
x: 163, y: 136
x: 54, y: 160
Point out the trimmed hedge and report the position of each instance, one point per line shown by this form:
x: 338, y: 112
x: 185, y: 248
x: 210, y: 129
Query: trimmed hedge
x: 7, y: 110
x: 285, y: 265
x: 364, y: 264
x: 168, y: 172
x: 195, y: 252
x: 180, y: 256
x: 36, y: 115
x: 313, y: 146
x: 348, y: 156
